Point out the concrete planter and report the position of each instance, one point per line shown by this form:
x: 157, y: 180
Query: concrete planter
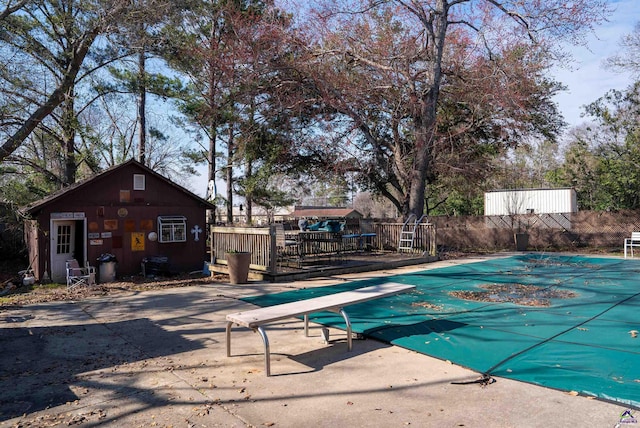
x: 238, y: 264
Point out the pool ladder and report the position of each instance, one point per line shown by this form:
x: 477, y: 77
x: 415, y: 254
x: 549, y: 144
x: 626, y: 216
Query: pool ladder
x: 408, y: 232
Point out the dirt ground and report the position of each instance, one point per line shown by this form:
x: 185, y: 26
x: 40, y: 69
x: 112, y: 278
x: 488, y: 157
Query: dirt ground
x: 13, y: 294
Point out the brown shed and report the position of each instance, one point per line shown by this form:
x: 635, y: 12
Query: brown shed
x: 128, y: 211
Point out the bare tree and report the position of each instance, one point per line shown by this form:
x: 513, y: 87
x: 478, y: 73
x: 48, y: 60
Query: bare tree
x: 35, y: 39
x: 628, y: 58
x: 399, y: 55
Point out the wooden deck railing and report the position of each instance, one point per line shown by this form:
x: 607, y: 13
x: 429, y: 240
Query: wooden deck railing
x: 261, y: 242
x: 388, y: 235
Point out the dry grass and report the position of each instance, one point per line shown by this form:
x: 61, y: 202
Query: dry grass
x: 42, y: 293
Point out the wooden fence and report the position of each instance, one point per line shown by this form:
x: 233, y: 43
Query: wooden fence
x: 260, y: 241
x: 556, y: 232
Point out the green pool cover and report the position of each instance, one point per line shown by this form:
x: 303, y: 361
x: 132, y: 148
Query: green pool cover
x: 559, y: 321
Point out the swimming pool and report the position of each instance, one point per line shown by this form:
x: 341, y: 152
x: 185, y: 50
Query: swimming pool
x: 564, y: 322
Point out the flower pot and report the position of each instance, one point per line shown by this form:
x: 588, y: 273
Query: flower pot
x: 521, y: 240
x: 238, y: 265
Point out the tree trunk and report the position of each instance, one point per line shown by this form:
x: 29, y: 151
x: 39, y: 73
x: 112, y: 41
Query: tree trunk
x: 211, y: 174
x: 230, y: 144
x: 142, y: 115
x: 68, y: 122
x: 424, y: 112
x: 422, y: 172
x: 211, y: 154
x: 248, y: 195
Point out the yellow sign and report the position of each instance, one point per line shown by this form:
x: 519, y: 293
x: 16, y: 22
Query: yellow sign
x: 137, y: 241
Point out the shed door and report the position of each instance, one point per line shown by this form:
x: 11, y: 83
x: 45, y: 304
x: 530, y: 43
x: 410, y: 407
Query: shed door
x: 63, y: 241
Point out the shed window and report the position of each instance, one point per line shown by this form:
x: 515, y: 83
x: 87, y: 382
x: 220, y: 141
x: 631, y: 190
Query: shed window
x: 138, y: 181
x: 172, y: 229
x: 63, y: 246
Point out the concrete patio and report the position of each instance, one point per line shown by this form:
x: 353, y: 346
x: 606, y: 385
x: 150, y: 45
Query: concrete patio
x: 157, y: 358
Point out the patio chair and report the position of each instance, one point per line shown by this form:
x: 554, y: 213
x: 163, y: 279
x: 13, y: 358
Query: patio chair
x: 366, y: 233
x: 79, y: 276
x: 288, y: 249
x: 634, y: 241
x: 351, y: 241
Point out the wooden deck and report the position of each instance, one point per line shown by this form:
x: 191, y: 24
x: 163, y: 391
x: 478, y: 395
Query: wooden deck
x: 325, y: 266
x: 320, y: 253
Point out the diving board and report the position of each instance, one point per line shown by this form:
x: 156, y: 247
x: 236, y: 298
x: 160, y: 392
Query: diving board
x: 255, y: 319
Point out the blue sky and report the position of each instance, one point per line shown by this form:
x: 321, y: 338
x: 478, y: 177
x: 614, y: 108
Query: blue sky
x: 587, y: 79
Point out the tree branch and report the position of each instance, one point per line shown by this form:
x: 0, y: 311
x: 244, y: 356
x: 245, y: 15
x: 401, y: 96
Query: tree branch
x: 12, y: 9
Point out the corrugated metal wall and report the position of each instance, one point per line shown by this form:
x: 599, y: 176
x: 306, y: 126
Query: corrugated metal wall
x: 530, y: 201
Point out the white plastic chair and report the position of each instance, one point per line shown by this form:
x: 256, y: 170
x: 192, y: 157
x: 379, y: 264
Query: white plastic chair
x: 77, y: 275
x: 634, y: 241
